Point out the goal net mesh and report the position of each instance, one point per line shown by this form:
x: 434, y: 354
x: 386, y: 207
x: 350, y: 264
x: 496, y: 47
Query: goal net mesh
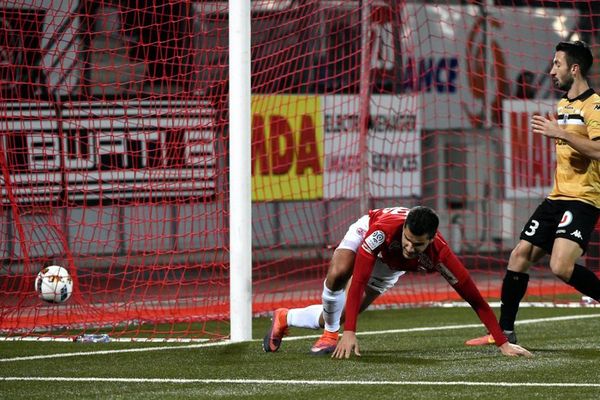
x: 115, y: 142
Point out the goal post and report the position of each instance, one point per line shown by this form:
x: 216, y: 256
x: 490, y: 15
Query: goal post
x: 240, y: 198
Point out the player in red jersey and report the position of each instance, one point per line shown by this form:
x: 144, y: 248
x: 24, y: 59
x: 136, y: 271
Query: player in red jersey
x: 376, y: 251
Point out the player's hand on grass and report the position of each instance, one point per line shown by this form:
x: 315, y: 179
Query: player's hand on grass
x: 513, y: 350
x: 346, y: 345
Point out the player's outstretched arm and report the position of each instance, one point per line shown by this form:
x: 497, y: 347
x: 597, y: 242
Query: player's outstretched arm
x: 513, y: 350
x: 346, y: 345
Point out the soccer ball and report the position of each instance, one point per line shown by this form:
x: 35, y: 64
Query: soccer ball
x: 54, y: 284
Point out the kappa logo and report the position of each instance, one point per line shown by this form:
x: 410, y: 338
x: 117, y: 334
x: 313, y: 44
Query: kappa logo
x: 596, y: 107
x: 577, y: 234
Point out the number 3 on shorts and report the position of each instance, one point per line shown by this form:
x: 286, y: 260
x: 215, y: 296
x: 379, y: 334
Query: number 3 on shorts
x: 532, y: 228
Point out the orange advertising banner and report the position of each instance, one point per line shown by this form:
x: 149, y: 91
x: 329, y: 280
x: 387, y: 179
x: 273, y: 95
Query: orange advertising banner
x: 287, y: 148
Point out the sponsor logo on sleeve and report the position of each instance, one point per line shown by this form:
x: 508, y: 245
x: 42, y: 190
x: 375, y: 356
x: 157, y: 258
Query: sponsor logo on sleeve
x: 373, y: 241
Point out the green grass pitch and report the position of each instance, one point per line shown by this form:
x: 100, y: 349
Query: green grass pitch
x: 398, y: 362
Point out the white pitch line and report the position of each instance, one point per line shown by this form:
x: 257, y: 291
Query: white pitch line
x: 226, y: 342
x: 118, y: 340
x: 102, y: 352
x: 300, y: 382
x: 455, y: 304
x: 452, y: 327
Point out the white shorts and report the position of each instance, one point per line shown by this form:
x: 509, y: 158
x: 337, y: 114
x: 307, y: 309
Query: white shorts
x: 383, y: 277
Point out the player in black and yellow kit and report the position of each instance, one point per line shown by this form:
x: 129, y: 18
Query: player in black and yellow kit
x: 562, y: 224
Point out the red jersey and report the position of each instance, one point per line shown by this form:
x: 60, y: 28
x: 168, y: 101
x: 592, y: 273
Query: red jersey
x: 384, y: 240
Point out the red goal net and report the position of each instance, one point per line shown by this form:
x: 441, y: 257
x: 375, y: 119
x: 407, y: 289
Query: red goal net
x: 115, y: 138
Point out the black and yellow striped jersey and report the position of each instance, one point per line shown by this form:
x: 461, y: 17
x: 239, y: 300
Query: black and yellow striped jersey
x: 577, y: 177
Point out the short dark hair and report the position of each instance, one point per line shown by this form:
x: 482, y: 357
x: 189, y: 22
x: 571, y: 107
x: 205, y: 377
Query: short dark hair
x: 578, y: 52
x: 422, y: 220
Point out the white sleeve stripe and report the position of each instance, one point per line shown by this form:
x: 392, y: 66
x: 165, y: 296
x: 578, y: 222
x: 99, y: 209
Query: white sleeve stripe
x: 366, y: 248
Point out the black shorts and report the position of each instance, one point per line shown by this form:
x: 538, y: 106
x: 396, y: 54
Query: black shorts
x: 569, y: 219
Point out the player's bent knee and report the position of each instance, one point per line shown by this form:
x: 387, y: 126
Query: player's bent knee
x: 337, y: 278
x: 340, y: 269
x: 562, y: 271
x: 522, y: 256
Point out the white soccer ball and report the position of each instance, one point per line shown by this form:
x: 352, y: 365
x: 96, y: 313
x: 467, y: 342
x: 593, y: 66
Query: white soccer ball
x: 54, y: 284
